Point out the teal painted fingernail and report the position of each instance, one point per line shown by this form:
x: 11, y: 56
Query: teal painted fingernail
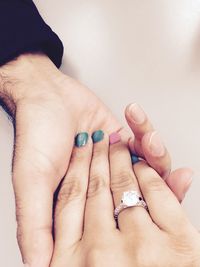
x: 97, y: 136
x: 135, y: 159
x: 81, y: 139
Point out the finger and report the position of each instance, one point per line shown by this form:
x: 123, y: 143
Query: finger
x: 69, y: 213
x: 123, y: 180
x: 179, y: 181
x: 99, y: 205
x: 37, y: 170
x: 139, y: 124
x: 156, y: 153
x: 149, y: 147
x: 163, y: 206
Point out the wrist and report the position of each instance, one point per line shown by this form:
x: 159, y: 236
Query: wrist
x: 25, y: 76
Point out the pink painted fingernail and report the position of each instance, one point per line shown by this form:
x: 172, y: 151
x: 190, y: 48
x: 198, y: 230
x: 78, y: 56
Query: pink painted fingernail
x: 137, y: 114
x: 114, y: 138
x: 156, y: 145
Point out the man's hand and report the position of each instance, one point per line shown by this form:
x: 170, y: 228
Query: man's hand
x: 49, y: 109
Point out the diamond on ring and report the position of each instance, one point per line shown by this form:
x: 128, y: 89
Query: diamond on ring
x: 130, y: 199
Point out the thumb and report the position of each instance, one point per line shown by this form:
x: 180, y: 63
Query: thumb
x: 43, y: 144
x: 34, y: 198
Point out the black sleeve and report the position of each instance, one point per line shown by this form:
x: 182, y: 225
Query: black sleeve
x: 23, y: 30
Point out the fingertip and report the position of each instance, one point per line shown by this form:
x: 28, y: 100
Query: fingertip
x: 135, y: 114
x: 127, y: 112
x: 127, y: 109
x: 79, y: 152
x: 81, y: 139
x: 114, y: 138
x: 98, y: 136
x: 101, y: 146
x: 104, y: 139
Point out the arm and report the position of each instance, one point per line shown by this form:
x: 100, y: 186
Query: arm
x: 23, y: 30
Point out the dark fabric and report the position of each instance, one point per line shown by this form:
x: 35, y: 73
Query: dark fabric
x: 23, y: 30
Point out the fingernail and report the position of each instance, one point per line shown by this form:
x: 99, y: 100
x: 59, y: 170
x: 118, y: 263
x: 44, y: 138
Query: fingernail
x: 137, y: 114
x: 97, y: 136
x: 114, y: 138
x: 156, y: 145
x: 135, y: 159
x: 81, y: 139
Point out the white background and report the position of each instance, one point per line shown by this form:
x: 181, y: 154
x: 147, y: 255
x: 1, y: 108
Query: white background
x: 145, y: 51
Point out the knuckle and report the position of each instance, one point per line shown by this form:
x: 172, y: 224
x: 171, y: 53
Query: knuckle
x: 97, y: 183
x: 71, y: 189
x: 121, y: 180
x: 156, y: 185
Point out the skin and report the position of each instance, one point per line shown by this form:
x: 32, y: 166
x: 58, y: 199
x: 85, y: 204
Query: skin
x: 48, y: 110
x: 86, y: 232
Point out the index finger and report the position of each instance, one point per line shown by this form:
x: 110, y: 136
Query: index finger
x: 147, y: 143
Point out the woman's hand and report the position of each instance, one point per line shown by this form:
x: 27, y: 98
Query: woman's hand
x: 86, y: 234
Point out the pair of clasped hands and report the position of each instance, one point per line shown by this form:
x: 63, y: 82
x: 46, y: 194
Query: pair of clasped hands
x: 90, y: 175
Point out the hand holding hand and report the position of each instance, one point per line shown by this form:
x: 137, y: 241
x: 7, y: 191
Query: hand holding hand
x: 49, y: 109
